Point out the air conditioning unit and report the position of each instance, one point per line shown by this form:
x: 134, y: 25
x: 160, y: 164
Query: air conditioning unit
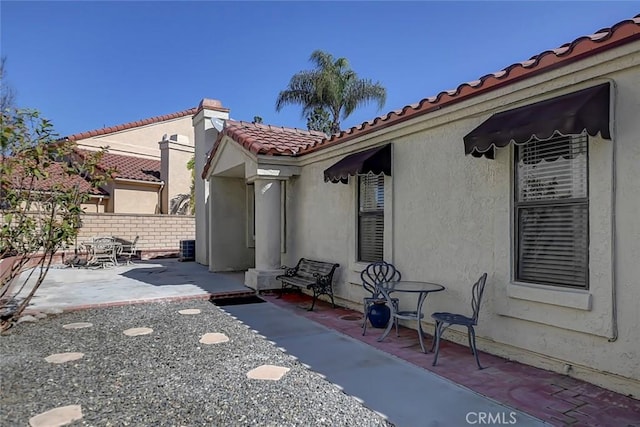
x: 187, y: 250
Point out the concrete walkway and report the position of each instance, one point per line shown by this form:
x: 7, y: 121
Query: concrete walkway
x: 404, y: 393
x: 167, y: 279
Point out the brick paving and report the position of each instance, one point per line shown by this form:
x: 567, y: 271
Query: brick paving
x: 557, y: 399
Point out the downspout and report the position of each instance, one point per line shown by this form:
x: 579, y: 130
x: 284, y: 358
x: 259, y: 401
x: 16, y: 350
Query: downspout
x: 159, y: 210
x: 614, y: 304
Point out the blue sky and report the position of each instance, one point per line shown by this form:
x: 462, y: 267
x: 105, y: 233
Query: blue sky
x: 86, y: 65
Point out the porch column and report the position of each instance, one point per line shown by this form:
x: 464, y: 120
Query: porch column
x: 267, y: 229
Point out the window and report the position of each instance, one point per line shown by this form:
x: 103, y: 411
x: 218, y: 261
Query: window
x: 552, y: 212
x: 370, y: 217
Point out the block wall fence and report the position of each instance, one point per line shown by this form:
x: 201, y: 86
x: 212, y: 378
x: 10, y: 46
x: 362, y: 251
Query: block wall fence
x: 160, y: 235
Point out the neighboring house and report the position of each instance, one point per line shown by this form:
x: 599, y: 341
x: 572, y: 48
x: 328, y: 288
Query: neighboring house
x: 151, y: 158
x: 545, y: 200
x: 56, y: 174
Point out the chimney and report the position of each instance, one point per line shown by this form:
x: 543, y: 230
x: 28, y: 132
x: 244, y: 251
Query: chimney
x: 205, y: 132
x: 175, y: 153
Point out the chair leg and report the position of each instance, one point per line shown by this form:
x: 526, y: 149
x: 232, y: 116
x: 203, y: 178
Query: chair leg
x: 366, y: 317
x: 472, y: 335
x: 438, y: 332
x: 281, y: 291
x: 395, y: 306
x: 435, y: 334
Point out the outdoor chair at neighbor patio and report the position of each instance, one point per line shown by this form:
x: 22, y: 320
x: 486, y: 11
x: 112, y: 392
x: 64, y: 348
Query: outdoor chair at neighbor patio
x: 373, y: 275
x: 444, y: 320
x: 129, y: 250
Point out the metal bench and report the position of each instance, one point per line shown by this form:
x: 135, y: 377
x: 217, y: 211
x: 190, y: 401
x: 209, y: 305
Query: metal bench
x: 310, y: 274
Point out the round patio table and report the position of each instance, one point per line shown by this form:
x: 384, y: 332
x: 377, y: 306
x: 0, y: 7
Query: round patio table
x: 421, y: 290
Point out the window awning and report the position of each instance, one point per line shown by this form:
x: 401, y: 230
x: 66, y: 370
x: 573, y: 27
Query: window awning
x: 374, y: 160
x: 586, y: 109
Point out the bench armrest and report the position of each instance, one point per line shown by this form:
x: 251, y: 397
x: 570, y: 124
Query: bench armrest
x: 323, y: 279
x: 289, y: 271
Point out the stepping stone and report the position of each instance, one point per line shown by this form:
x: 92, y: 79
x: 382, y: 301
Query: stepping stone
x: 63, y: 357
x: 213, y: 338
x: 57, y: 417
x: 134, y: 332
x: 78, y: 325
x: 267, y: 372
x: 189, y: 311
x: 27, y: 318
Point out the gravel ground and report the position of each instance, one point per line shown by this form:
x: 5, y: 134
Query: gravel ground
x: 166, y: 378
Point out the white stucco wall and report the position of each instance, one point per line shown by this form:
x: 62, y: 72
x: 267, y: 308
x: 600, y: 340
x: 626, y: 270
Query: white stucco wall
x: 448, y: 219
x: 205, y: 135
x: 228, y: 226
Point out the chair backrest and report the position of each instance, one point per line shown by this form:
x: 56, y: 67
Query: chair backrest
x: 134, y: 243
x: 477, y: 290
x: 376, y: 273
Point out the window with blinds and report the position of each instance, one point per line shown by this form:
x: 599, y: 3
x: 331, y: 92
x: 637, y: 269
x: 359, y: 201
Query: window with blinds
x: 370, y: 218
x: 552, y: 212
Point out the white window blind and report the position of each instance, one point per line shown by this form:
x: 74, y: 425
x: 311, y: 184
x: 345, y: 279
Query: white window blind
x: 552, y: 212
x: 370, y: 218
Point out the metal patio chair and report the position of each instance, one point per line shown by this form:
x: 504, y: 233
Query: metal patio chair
x: 374, y: 274
x: 444, y: 320
x: 129, y: 250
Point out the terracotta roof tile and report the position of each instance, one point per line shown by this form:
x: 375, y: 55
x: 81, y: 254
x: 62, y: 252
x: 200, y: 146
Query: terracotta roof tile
x: 271, y: 140
x: 129, y: 167
x: 130, y: 125
x: 607, y: 38
x: 57, y: 175
x: 267, y: 139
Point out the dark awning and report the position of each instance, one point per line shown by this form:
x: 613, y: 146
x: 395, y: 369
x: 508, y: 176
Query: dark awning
x: 586, y: 109
x: 374, y: 160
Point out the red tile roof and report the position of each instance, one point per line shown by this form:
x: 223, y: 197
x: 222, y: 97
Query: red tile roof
x: 57, y: 175
x: 209, y: 104
x: 607, y: 38
x: 130, y: 125
x: 128, y: 167
x: 267, y: 139
x: 270, y: 140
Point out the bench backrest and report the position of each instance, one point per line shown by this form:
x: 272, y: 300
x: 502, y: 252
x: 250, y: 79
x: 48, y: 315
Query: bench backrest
x: 307, y: 267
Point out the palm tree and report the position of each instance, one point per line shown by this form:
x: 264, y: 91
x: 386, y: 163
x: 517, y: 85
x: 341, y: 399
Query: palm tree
x: 332, y: 86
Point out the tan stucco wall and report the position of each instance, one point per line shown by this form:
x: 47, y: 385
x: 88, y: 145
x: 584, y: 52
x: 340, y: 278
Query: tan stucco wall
x: 135, y: 198
x: 141, y: 141
x: 95, y: 206
x: 176, y: 151
x: 448, y: 219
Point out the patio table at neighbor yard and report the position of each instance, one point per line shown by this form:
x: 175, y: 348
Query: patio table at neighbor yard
x: 102, y: 251
x: 420, y: 289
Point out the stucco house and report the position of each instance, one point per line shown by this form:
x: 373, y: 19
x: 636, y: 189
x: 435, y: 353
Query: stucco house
x: 150, y: 157
x: 531, y: 174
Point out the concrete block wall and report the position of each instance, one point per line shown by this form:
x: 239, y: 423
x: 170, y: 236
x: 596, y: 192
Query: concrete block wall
x: 160, y: 235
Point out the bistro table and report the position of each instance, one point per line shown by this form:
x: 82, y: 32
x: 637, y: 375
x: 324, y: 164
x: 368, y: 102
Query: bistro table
x: 102, y: 251
x: 420, y: 289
